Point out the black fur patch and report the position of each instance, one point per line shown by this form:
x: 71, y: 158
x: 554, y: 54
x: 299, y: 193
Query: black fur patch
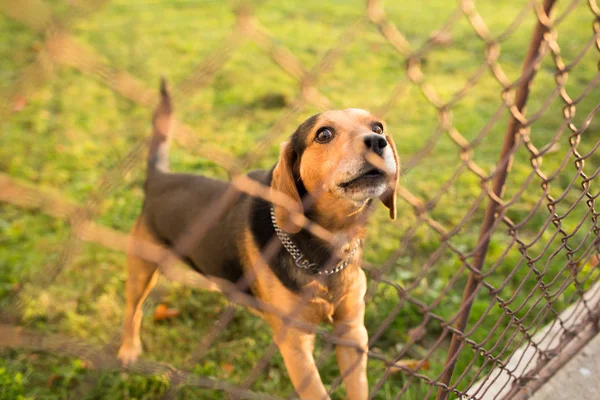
x: 299, y: 140
x: 263, y: 232
x: 231, y: 269
x: 282, y: 264
x: 300, y: 135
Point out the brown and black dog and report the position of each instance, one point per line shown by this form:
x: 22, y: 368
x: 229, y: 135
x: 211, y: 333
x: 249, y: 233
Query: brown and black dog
x: 341, y: 161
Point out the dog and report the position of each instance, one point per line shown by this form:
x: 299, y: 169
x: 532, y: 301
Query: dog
x: 330, y: 170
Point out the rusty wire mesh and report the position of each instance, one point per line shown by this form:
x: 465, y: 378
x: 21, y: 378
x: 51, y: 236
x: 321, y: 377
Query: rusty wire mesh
x: 553, y: 266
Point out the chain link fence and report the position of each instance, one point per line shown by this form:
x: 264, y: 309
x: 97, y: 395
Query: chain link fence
x: 484, y: 292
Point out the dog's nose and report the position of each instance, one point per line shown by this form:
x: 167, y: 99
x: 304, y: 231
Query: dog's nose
x: 375, y: 143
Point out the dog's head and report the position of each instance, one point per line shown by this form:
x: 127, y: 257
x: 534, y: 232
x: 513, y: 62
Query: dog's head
x: 343, y: 158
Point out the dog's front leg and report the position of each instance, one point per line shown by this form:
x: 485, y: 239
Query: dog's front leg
x: 352, y: 358
x: 296, y: 348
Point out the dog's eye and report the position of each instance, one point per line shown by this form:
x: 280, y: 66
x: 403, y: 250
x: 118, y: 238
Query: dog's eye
x: 377, y: 128
x: 324, y: 135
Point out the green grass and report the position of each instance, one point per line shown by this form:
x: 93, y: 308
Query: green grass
x: 73, y: 129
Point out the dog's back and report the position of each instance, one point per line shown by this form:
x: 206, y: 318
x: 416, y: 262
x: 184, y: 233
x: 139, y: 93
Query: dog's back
x: 198, y: 217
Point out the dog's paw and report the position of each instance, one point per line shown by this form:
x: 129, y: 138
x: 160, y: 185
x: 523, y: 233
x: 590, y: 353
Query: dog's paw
x: 128, y: 354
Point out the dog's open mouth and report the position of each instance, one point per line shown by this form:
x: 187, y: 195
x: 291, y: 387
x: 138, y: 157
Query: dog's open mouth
x: 370, y: 177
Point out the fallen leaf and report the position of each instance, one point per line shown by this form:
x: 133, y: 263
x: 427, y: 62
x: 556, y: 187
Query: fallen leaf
x: 19, y: 103
x: 227, y: 367
x: 37, y: 46
x: 162, y: 312
x: 413, y: 365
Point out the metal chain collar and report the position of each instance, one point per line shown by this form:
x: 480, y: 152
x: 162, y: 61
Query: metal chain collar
x: 299, y: 258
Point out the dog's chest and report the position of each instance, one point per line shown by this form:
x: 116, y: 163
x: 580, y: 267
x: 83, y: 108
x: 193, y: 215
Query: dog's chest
x: 321, y: 301
x: 316, y: 300
x: 320, y: 298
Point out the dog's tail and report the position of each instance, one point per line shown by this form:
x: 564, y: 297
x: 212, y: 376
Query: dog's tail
x: 158, y: 154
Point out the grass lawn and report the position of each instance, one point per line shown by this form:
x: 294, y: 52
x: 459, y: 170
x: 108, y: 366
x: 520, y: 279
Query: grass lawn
x: 65, y: 129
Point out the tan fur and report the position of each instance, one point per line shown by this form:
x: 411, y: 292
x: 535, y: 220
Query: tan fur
x: 141, y: 278
x: 389, y: 197
x: 283, y: 182
x: 318, y: 161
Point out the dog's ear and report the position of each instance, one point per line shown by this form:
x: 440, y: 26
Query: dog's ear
x: 283, y: 182
x: 388, y: 198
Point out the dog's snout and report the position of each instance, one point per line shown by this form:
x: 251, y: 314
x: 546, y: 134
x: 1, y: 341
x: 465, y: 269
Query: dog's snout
x: 375, y: 143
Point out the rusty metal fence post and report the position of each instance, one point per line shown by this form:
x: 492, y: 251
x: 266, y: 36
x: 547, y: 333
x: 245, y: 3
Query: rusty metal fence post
x: 502, y: 167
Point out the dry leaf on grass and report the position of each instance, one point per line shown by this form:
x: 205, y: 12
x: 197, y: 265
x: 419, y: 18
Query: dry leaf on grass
x: 19, y: 103
x: 413, y: 365
x: 227, y: 367
x: 162, y: 312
